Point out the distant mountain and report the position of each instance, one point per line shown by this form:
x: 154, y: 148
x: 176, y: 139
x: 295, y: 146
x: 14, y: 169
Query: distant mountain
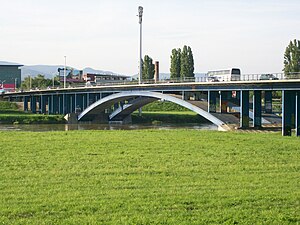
x: 49, y: 70
x: 91, y: 70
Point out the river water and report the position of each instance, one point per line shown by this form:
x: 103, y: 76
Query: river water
x: 67, y: 127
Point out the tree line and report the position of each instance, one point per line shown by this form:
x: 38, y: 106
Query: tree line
x: 292, y: 59
x: 182, y: 64
x: 39, y: 82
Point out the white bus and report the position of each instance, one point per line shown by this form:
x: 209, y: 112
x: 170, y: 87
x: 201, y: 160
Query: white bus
x: 232, y: 74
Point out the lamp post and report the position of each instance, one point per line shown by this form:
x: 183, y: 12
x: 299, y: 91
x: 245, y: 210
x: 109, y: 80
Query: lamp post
x: 53, y: 76
x: 65, y: 68
x: 16, y: 83
x: 140, y: 9
x: 30, y: 82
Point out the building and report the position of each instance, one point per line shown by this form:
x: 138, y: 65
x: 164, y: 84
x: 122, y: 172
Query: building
x: 72, y: 75
x: 105, y: 78
x: 10, y: 75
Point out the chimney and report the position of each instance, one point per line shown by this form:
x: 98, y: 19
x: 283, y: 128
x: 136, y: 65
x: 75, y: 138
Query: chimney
x: 156, y: 74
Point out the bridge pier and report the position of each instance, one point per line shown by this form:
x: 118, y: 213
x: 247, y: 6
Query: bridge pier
x: 50, y: 106
x: 79, y: 102
x: 289, y: 112
x: 257, y: 109
x: 268, y: 101
x: 26, y: 99
x: 60, y: 104
x: 244, y: 109
x: 297, y: 113
x: 212, y: 101
x: 224, y: 98
x: 87, y: 100
x: 42, y: 104
x: 33, y: 104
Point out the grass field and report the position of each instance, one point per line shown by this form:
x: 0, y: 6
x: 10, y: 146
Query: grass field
x: 149, y: 177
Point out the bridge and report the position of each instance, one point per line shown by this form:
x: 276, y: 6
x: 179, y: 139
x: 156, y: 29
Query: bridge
x: 226, y: 104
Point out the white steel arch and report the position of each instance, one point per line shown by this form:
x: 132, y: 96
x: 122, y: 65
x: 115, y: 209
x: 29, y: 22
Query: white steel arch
x: 157, y: 95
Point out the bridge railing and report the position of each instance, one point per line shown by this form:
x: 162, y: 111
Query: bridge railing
x: 205, y: 78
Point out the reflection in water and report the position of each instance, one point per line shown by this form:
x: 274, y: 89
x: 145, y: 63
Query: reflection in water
x: 68, y: 127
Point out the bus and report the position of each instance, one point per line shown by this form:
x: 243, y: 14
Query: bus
x: 232, y: 74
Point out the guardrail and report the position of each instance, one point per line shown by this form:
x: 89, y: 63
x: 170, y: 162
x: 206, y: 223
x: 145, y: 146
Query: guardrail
x: 244, y: 77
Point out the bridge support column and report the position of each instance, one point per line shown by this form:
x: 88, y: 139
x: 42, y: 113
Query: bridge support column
x: 268, y: 101
x: 61, y: 107
x: 55, y: 104
x: 79, y: 102
x: 93, y: 98
x: 297, y: 113
x: 244, y: 109
x: 33, y: 104
x: 26, y: 98
x: 288, y: 112
x: 50, y: 105
x: 73, y: 103
x: 257, y: 109
x: 42, y: 104
x: 212, y: 101
x: 88, y: 102
x: 67, y: 103
x: 224, y: 97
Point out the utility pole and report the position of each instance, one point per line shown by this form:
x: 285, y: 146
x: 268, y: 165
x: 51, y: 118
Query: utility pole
x: 65, y: 72
x: 140, y: 58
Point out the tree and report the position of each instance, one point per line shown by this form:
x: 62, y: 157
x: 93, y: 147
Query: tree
x: 175, y: 63
x: 190, y: 62
x: 182, y: 63
x: 184, y: 66
x: 148, y: 68
x: 38, y: 82
x: 292, y: 58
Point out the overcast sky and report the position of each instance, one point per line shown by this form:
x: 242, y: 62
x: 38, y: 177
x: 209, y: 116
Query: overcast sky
x: 104, y: 34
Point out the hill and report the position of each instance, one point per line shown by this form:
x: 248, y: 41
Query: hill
x: 50, y: 70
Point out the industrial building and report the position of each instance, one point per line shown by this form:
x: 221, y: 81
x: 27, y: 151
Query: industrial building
x: 10, y: 75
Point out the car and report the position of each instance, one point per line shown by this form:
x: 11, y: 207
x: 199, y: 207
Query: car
x: 212, y: 79
x: 268, y: 77
x: 90, y: 84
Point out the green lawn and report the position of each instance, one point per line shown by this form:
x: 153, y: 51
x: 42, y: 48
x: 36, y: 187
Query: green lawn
x: 149, y: 177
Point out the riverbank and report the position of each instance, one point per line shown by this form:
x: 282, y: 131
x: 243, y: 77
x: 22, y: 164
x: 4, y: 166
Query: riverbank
x: 11, y: 117
x: 10, y: 113
x: 158, y: 113
x: 149, y: 177
x: 165, y: 117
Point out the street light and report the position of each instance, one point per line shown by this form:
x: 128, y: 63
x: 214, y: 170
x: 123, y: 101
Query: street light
x: 65, y: 72
x: 16, y: 83
x: 53, y: 75
x: 140, y: 9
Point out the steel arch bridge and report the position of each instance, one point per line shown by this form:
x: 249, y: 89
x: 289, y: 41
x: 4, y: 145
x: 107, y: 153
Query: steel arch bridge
x: 141, y: 98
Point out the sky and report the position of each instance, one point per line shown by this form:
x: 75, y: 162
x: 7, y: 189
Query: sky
x: 104, y: 34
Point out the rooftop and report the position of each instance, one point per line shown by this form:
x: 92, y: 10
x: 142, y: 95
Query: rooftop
x: 3, y: 63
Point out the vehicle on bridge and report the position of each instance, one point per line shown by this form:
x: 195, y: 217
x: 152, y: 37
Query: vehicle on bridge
x: 268, y: 77
x: 232, y: 74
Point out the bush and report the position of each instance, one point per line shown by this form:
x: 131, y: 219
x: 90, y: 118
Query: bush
x: 8, y: 106
x: 159, y: 106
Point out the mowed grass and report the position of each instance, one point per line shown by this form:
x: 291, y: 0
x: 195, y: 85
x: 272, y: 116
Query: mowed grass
x: 149, y: 177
